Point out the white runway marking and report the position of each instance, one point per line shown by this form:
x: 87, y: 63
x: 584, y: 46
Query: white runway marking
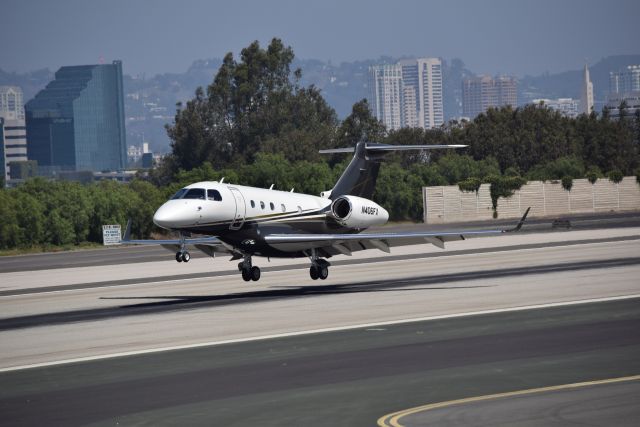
x: 316, y: 331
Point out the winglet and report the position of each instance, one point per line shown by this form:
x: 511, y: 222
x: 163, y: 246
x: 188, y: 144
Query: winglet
x: 127, y: 232
x: 520, y: 223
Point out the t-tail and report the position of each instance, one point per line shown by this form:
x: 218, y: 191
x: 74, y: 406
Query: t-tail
x: 359, y: 179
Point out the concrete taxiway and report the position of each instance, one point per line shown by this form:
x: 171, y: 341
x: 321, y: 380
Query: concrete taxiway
x: 398, y: 331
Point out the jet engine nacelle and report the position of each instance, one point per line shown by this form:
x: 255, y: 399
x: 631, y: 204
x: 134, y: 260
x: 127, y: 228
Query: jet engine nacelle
x: 357, y: 212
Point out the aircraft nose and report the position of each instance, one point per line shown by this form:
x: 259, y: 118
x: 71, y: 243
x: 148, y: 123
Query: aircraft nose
x: 163, y: 217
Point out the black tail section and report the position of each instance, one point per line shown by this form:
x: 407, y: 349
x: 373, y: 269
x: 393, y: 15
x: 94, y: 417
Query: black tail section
x: 359, y: 179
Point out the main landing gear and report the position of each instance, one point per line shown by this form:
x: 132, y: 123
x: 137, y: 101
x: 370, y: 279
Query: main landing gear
x: 248, y: 271
x: 319, y: 267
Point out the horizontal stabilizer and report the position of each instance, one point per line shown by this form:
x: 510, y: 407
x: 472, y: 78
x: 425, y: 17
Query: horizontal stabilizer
x: 380, y: 148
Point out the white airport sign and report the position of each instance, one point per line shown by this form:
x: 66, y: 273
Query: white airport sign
x: 111, y: 234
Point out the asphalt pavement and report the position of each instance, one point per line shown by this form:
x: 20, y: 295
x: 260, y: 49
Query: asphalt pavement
x: 348, y: 378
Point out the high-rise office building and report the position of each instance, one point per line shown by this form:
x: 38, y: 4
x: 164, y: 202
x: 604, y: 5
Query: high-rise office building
x: 14, y: 138
x: 407, y: 94
x: 586, y: 97
x: 77, y: 122
x: 626, y: 80
x: 422, y: 79
x: 483, y: 92
x: 3, y: 157
x: 624, y: 86
x: 386, y: 93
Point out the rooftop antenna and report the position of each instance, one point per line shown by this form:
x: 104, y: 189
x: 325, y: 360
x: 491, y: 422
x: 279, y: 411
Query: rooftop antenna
x: 271, y: 188
x: 222, y: 180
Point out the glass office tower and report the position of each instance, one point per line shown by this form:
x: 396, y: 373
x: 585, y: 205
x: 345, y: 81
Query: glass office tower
x: 3, y: 159
x: 77, y: 122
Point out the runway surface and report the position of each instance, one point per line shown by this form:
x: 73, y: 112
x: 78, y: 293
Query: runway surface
x: 340, y: 378
x: 346, y: 375
x: 608, y: 402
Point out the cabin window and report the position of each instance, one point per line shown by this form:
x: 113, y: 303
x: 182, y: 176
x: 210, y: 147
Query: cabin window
x: 261, y: 205
x: 179, y: 194
x: 272, y: 206
x: 253, y: 204
x: 284, y: 209
x: 214, y: 195
x: 194, y: 193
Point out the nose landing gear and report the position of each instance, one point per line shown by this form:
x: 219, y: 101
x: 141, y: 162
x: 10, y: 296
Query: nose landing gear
x: 183, y: 256
x: 249, y: 272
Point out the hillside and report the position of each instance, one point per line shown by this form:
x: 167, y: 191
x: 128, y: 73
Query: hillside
x: 150, y: 101
x: 569, y: 83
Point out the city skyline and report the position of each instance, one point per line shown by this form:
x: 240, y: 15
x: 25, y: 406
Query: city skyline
x: 158, y: 37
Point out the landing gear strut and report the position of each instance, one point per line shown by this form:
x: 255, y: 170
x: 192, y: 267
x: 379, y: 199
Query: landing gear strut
x: 319, y: 267
x: 182, y: 255
x: 248, y: 271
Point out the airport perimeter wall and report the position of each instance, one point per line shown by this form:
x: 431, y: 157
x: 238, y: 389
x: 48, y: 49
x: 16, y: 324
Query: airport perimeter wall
x: 445, y: 204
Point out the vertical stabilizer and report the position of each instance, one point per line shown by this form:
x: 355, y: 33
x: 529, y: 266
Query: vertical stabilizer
x: 359, y: 179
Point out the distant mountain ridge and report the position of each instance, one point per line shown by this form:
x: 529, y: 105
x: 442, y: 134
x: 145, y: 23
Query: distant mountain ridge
x: 568, y: 84
x: 150, y: 102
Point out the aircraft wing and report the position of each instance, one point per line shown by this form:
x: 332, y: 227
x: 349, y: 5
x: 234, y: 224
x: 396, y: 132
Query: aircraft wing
x: 209, y: 244
x: 335, y: 244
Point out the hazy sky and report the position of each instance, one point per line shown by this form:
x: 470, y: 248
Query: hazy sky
x: 490, y: 36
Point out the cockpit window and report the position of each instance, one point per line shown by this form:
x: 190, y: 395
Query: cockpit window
x: 179, y: 194
x: 194, y: 193
x: 214, y: 195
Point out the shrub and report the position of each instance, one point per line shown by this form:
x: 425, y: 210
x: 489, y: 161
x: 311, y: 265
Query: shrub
x: 615, y: 176
x: 503, y: 186
x: 593, y: 174
x: 567, y: 182
x: 469, y: 185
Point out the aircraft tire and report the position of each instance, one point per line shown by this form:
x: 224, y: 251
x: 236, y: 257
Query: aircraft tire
x: 246, y: 274
x: 255, y: 273
x: 178, y: 257
x: 313, y: 272
x: 323, y: 272
x: 186, y: 256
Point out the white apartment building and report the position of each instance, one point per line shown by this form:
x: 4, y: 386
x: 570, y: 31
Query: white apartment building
x: 11, y: 103
x: 14, y: 131
x: 424, y: 77
x: 408, y: 94
x: 566, y: 106
x: 386, y: 94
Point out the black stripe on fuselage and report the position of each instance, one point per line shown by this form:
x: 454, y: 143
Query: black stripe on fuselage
x: 248, y: 238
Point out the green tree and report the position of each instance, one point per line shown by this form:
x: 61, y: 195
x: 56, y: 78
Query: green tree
x: 31, y: 218
x: 10, y: 234
x: 360, y: 125
x: 252, y: 106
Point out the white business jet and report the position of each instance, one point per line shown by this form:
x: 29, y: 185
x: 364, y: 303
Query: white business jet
x: 246, y: 221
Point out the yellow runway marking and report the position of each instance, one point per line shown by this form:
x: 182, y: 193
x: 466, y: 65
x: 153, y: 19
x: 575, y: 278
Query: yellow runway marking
x: 393, y: 419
